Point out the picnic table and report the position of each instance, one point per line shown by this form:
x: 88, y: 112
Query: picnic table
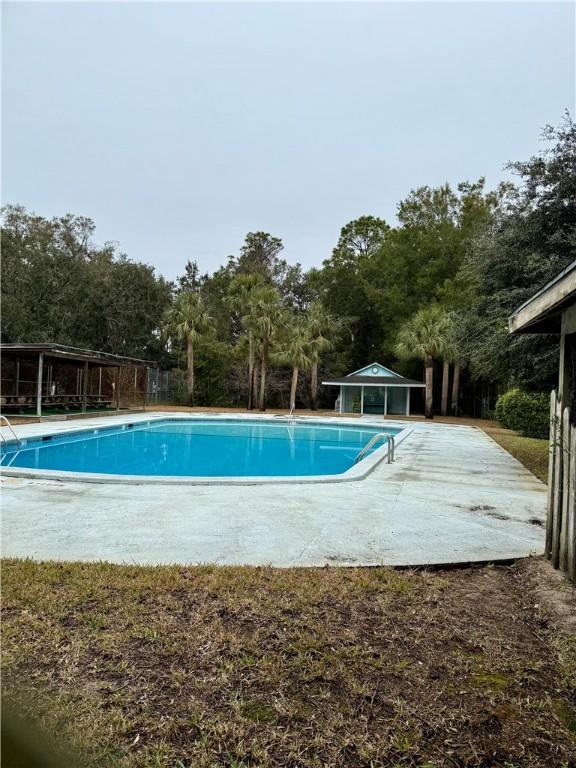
x: 63, y: 401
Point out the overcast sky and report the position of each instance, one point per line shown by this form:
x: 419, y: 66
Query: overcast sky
x: 180, y: 127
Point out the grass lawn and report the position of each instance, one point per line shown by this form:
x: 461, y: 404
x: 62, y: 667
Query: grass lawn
x: 529, y: 451
x: 214, y: 666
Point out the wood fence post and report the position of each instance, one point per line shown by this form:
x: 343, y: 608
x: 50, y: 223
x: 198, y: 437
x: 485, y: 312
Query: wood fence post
x: 564, y: 523
x: 557, y: 498
x: 571, y: 522
x: 551, y: 473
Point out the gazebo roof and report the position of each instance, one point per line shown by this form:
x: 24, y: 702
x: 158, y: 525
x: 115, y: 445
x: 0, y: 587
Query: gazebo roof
x: 73, y: 354
x: 373, y: 375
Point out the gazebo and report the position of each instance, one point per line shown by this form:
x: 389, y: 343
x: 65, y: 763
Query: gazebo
x: 59, y: 379
x: 374, y: 389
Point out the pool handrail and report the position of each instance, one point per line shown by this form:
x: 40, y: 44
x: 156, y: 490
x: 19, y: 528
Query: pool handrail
x: 18, y: 440
x: 378, y: 436
x: 291, y: 416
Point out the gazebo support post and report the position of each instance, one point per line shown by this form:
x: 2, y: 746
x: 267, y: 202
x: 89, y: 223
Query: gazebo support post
x: 408, y: 401
x: 385, y: 401
x: 362, y: 401
x: 39, y: 384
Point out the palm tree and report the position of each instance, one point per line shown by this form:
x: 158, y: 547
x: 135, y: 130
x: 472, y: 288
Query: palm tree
x: 424, y: 335
x: 452, y: 353
x: 455, y: 387
x: 266, y: 316
x: 241, y: 299
x: 449, y: 355
x: 187, y: 320
x: 445, y: 384
x: 321, y: 329
x: 295, y: 349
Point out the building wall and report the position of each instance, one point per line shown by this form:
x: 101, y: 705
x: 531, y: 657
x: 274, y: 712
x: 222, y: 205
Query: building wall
x: 397, y: 400
x: 350, y: 398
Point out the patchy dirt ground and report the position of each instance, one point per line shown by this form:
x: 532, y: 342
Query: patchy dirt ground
x: 237, y: 667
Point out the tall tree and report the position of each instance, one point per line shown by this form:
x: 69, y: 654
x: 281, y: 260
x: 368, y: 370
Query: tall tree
x: 242, y: 299
x: 532, y: 238
x: 379, y: 277
x: 455, y: 398
x: 424, y: 336
x: 343, y: 289
x: 445, y: 384
x: 362, y: 238
x: 260, y: 255
x: 187, y: 320
x: 450, y: 354
x: 191, y: 280
x: 294, y: 349
x: 58, y: 286
x: 322, y: 329
x: 267, y: 315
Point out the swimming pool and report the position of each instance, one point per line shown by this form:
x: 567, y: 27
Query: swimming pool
x: 197, y: 448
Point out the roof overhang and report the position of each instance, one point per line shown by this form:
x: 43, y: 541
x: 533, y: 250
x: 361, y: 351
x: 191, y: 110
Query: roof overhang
x: 73, y: 355
x: 341, y: 384
x: 373, y: 381
x: 542, y: 313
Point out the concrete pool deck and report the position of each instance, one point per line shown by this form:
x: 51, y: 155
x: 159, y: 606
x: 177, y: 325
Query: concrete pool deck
x: 452, y: 496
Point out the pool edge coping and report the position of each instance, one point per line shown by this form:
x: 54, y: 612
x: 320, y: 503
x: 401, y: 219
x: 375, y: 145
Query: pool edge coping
x: 355, y: 473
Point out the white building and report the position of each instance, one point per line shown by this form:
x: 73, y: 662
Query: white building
x: 374, y: 389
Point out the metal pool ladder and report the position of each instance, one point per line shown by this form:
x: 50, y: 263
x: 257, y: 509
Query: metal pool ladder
x: 380, y: 436
x: 290, y: 416
x: 11, y: 430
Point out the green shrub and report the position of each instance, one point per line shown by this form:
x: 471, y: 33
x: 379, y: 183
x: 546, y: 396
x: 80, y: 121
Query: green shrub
x: 525, y: 412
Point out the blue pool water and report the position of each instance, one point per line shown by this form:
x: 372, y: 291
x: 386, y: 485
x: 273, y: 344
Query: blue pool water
x: 199, y: 448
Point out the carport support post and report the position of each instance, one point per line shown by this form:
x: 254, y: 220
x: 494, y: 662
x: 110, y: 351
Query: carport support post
x: 39, y: 384
x: 85, y: 387
x: 117, y: 386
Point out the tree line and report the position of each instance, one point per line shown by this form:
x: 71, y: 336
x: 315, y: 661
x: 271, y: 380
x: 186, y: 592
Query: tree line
x: 433, y: 292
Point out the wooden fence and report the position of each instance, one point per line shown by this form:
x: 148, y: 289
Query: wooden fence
x: 561, y: 521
